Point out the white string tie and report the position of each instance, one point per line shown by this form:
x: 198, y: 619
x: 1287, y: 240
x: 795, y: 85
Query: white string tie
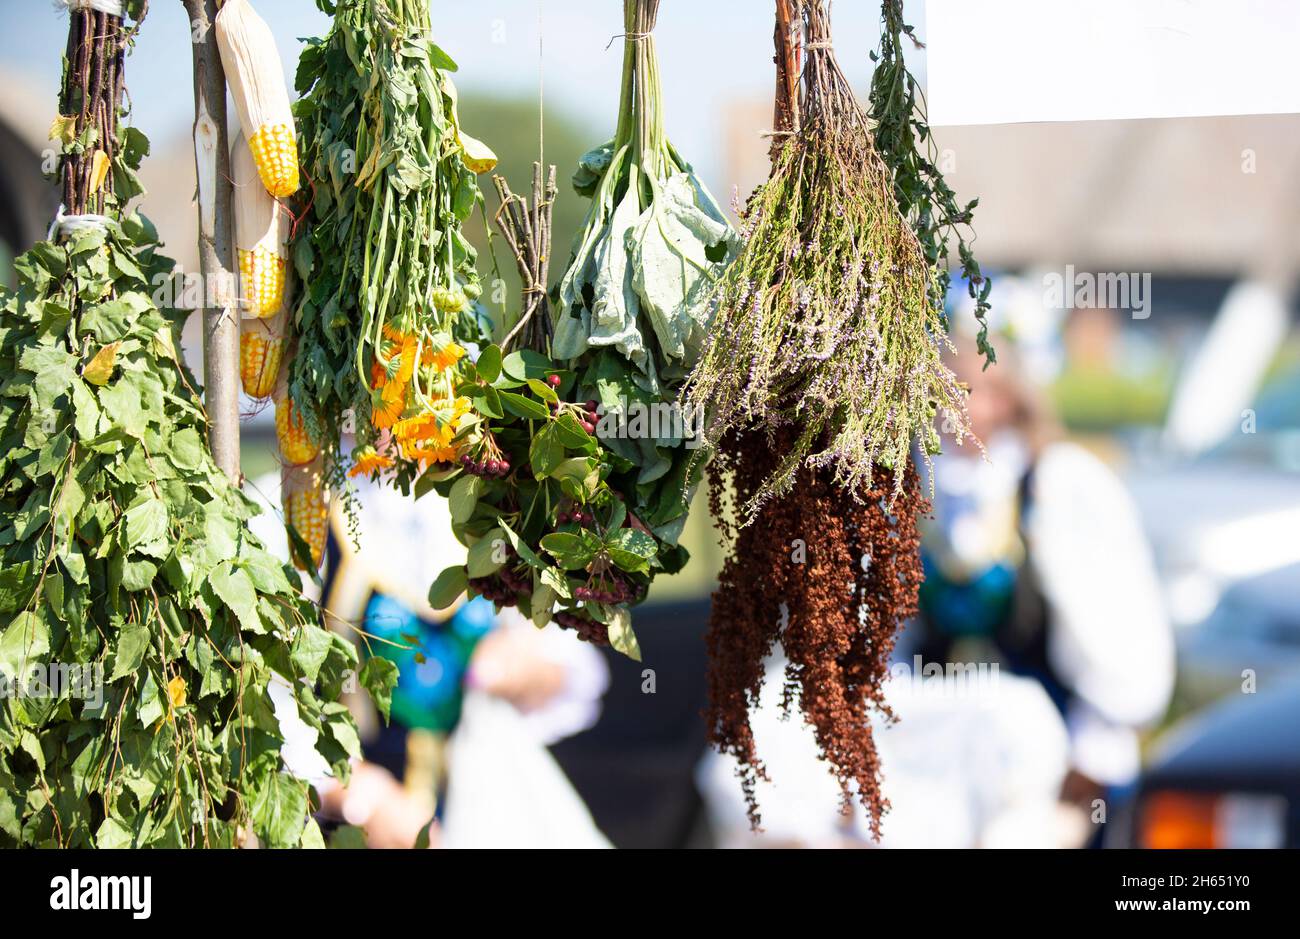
x: 65, y: 225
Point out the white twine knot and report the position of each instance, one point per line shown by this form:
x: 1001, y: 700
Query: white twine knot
x: 111, y: 7
x: 65, y: 225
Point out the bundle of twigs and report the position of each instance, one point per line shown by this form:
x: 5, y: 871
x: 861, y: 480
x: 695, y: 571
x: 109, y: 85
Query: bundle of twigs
x: 92, y: 92
x: 527, y: 231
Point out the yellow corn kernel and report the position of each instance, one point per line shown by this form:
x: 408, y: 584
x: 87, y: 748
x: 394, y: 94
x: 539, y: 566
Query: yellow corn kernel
x: 304, y: 500
x: 259, y: 362
x: 296, y: 447
x: 261, y: 276
x: 275, y: 153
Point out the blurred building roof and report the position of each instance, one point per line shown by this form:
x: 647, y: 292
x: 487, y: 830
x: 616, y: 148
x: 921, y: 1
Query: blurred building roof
x: 1215, y: 196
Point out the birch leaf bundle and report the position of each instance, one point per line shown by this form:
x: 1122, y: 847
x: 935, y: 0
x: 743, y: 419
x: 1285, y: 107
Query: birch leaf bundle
x: 830, y: 322
x: 143, y: 624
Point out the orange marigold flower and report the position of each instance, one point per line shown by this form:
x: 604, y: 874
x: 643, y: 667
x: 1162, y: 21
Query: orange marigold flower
x: 446, y: 357
x: 429, y: 455
x: 366, y: 462
x: 406, y: 368
x: 420, y: 427
x: 384, y: 410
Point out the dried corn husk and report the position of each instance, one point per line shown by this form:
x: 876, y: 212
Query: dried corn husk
x: 256, y: 78
x: 262, y: 227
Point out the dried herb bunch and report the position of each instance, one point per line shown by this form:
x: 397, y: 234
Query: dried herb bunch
x: 834, y: 611
x: 823, y: 370
x: 831, y: 319
x: 903, y: 138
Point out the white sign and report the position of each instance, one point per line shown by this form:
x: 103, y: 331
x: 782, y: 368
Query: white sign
x: 1009, y: 61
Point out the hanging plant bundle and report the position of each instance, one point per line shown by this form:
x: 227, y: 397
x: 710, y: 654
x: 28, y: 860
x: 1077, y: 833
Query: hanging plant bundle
x: 903, y: 139
x: 832, y: 580
x: 546, y: 531
x: 388, y: 276
x: 145, y: 624
x: 538, y: 503
x: 831, y: 320
x: 576, y: 489
x: 822, y: 372
x: 634, y: 306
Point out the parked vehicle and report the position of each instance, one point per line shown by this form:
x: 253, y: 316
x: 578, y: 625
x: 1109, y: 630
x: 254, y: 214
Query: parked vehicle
x: 1226, y: 778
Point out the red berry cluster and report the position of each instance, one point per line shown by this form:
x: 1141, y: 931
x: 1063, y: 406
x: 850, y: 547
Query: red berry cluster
x: 590, y: 418
x: 588, y: 630
x: 504, y: 587
x: 492, y: 469
x: 614, y: 590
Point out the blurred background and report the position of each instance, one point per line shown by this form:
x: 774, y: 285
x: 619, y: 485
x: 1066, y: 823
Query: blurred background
x: 1144, y: 490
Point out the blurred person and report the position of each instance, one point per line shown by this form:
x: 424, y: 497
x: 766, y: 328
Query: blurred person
x: 964, y: 766
x: 1035, y: 558
x: 375, y: 592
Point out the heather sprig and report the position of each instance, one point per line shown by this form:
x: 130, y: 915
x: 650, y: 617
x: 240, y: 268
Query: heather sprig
x: 831, y: 319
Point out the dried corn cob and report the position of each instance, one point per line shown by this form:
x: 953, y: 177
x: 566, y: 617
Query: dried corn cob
x: 261, y: 349
x: 305, y: 500
x: 256, y: 79
x: 296, y: 447
x: 261, y: 232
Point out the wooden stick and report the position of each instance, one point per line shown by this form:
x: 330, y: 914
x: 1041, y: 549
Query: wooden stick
x: 785, y: 119
x: 216, y: 245
x: 527, y: 231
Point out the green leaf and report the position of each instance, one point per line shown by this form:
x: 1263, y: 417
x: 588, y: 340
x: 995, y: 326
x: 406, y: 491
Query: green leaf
x: 146, y: 522
x: 555, y: 579
x: 633, y: 542
x: 448, y: 587
x: 489, y: 363
x: 524, y: 407
x: 521, y: 547
x: 482, y: 560
x: 236, y: 590
x: 525, y: 364
x: 26, y: 640
x: 621, y: 636
x: 112, y: 833
x: 120, y: 401
x: 187, y: 450
x: 132, y: 643
x: 379, y: 677
x: 543, y: 390
x: 546, y: 452
x: 464, y: 497
x: 544, y: 598
x: 348, y: 838
x: 311, y: 647
x: 572, y: 551
x: 569, y: 432
x: 312, y: 839
x: 343, y: 729
x: 280, y: 810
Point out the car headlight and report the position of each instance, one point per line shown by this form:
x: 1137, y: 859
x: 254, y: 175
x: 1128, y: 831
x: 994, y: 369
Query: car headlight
x: 1173, y: 819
